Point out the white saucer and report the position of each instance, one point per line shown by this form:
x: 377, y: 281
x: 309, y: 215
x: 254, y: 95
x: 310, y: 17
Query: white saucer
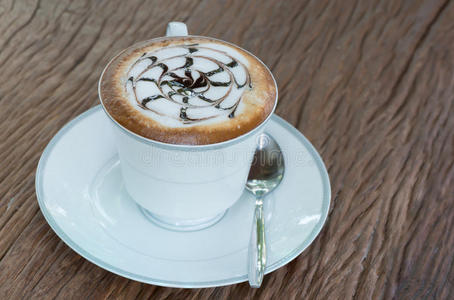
x: 81, y: 195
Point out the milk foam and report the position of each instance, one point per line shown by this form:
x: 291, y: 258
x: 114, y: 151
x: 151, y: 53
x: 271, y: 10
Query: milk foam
x: 186, y: 85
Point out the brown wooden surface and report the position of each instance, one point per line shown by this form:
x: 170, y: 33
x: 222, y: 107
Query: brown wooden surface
x: 370, y: 83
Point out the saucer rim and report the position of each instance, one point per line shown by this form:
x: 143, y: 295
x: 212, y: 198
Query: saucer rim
x: 180, y: 284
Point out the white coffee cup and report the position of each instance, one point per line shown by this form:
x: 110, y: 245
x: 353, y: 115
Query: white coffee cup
x: 184, y: 187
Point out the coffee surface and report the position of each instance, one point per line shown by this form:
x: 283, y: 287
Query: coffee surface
x: 187, y: 90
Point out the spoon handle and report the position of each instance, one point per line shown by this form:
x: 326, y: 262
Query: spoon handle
x: 257, y: 247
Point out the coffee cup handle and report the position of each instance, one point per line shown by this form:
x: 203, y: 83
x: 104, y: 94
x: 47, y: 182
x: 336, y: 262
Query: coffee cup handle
x: 176, y: 29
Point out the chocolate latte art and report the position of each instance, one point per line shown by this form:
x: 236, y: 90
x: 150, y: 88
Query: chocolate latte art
x: 187, y: 90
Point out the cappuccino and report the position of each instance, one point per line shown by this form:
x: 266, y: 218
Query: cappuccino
x: 187, y: 90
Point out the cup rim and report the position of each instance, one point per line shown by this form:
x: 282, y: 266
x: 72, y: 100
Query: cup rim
x: 171, y: 146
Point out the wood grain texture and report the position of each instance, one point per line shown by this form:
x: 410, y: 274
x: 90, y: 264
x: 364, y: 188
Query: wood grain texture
x: 370, y: 83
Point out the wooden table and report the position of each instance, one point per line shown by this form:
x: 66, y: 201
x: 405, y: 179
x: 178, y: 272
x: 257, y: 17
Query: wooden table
x: 370, y: 83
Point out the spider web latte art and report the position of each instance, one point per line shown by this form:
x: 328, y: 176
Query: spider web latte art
x: 188, y: 84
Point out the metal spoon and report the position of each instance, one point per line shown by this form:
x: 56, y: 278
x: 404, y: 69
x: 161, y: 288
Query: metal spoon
x: 267, y: 171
